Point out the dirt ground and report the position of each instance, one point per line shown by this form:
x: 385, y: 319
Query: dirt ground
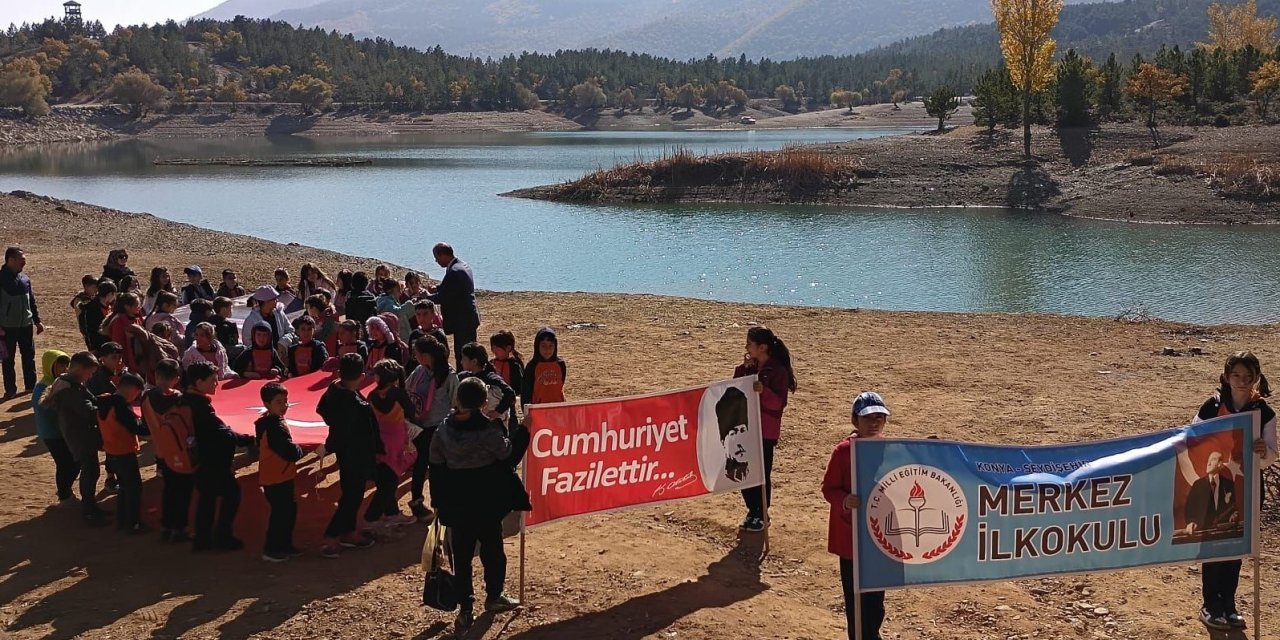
x: 679, y: 570
x: 1109, y: 172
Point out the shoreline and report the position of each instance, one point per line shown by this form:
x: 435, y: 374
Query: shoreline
x: 1006, y: 378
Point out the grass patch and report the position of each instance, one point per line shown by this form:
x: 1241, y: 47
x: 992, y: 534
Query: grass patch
x: 799, y: 174
x: 1246, y: 178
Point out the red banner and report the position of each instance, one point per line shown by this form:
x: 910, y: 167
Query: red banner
x: 588, y: 457
x: 239, y: 404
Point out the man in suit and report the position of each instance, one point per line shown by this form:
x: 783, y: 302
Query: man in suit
x: 456, y: 295
x: 1211, y: 501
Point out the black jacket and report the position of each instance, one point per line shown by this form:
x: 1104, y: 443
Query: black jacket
x: 494, y: 380
x: 76, y: 409
x: 456, y: 295
x: 215, y: 442
x: 353, y: 429
x: 192, y: 292
x: 476, y: 495
x: 437, y: 333
x: 91, y: 319
x: 100, y: 382
x: 318, y: 357
x: 274, y: 434
x: 361, y: 306
x: 116, y: 274
x: 124, y: 413
x: 244, y: 362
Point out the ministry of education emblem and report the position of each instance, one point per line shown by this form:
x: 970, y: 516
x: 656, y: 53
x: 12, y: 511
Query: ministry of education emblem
x: 916, y: 514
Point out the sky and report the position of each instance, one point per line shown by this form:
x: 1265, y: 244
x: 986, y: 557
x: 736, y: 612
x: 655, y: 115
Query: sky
x: 110, y: 12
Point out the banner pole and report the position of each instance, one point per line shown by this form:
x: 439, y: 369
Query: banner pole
x: 853, y: 519
x: 1257, y: 516
x: 524, y: 479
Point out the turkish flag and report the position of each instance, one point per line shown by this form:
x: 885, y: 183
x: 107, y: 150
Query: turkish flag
x: 239, y: 403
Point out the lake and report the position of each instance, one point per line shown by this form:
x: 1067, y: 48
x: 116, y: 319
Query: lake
x: 424, y: 188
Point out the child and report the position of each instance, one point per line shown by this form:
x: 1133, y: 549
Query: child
x: 230, y: 287
x: 313, y: 281
x: 360, y: 303
x: 506, y: 360
x: 160, y: 282
x: 1243, y: 388
x: 201, y: 311
x: 393, y: 410
x: 166, y: 304
x: 381, y: 274
x: 354, y: 437
x: 869, y: 417
x: 197, y: 288
x: 427, y: 322
x: 260, y: 361
x: 325, y: 320
x: 128, y: 312
x: 214, y: 478
x: 265, y: 307
x: 290, y: 301
x: 349, y: 341
x: 120, y: 429
x: 344, y: 291
x: 224, y: 329
x: 76, y: 410
x: 383, y: 342
x: 769, y: 359
x: 87, y: 294
x: 545, y: 374
x: 433, y: 387
x: 413, y: 289
x: 207, y: 349
x: 475, y: 364
x: 55, y: 363
x: 307, y: 356
x: 93, y: 316
x: 110, y: 368
x: 172, y: 451
x: 471, y: 487
x: 277, y: 467
x: 389, y: 302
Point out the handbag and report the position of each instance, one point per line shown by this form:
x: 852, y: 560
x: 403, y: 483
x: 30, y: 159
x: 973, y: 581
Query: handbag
x: 438, y: 590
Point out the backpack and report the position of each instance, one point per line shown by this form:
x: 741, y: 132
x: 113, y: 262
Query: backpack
x: 175, y: 439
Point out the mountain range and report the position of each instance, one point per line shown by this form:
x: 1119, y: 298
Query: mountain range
x: 679, y: 29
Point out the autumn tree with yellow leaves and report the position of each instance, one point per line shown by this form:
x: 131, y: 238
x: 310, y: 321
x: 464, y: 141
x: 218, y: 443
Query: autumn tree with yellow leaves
x: 1024, y: 27
x: 1266, y: 85
x: 1239, y: 26
x: 1150, y: 86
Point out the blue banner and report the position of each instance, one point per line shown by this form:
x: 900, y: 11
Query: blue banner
x: 935, y: 512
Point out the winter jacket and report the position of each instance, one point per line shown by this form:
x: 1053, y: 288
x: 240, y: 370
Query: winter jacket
x: 436, y: 333
x: 119, y: 425
x: 361, y: 306
x: 92, y: 315
x: 217, y: 358
x: 77, y: 413
x: 160, y: 317
x: 387, y: 304
x: 502, y: 398
x: 277, y: 454
x: 456, y: 296
x: 193, y: 292
x: 279, y: 324
x: 115, y: 273
x: 1219, y: 404
x: 776, y: 383
x: 353, y: 429
x: 17, y: 301
x: 215, y: 442
x: 473, y: 478
x: 230, y: 292
x: 46, y: 420
x: 433, y: 402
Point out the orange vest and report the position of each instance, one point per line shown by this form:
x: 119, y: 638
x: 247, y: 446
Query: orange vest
x: 302, y: 358
x: 116, y: 440
x: 272, y: 469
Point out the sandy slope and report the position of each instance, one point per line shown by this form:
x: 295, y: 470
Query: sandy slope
x: 674, y: 571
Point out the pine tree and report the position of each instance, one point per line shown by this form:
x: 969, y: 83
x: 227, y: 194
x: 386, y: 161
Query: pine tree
x: 942, y: 104
x: 1110, y: 95
x: 995, y: 99
x: 1074, y: 90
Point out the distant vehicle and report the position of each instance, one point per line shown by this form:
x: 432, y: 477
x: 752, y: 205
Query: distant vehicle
x: 746, y: 120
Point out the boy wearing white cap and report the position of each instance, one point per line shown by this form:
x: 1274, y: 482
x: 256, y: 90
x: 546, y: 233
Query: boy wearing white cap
x: 870, y: 414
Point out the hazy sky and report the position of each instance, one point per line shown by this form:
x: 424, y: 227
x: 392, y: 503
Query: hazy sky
x: 110, y: 12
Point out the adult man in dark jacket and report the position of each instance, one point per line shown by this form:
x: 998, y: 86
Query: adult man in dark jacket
x: 20, y: 320
x: 456, y: 295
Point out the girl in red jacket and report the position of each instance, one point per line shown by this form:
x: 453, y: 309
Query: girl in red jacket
x: 767, y: 357
x: 869, y: 417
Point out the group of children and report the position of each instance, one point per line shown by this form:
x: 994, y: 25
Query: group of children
x: 421, y: 418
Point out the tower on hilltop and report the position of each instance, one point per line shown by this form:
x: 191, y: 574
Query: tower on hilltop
x: 73, y: 19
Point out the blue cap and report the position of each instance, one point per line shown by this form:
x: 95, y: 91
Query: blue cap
x: 869, y: 402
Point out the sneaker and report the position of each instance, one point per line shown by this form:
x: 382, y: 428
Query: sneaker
x: 419, y: 510
x: 501, y: 604
x: 1236, y: 620
x: 275, y: 556
x: 752, y: 524
x: 463, y: 622
x: 355, y: 541
x: 230, y: 544
x: 1216, y: 622
x: 331, y: 551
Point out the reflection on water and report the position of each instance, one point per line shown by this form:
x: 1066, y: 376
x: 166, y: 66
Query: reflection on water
x: 421, y: 189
